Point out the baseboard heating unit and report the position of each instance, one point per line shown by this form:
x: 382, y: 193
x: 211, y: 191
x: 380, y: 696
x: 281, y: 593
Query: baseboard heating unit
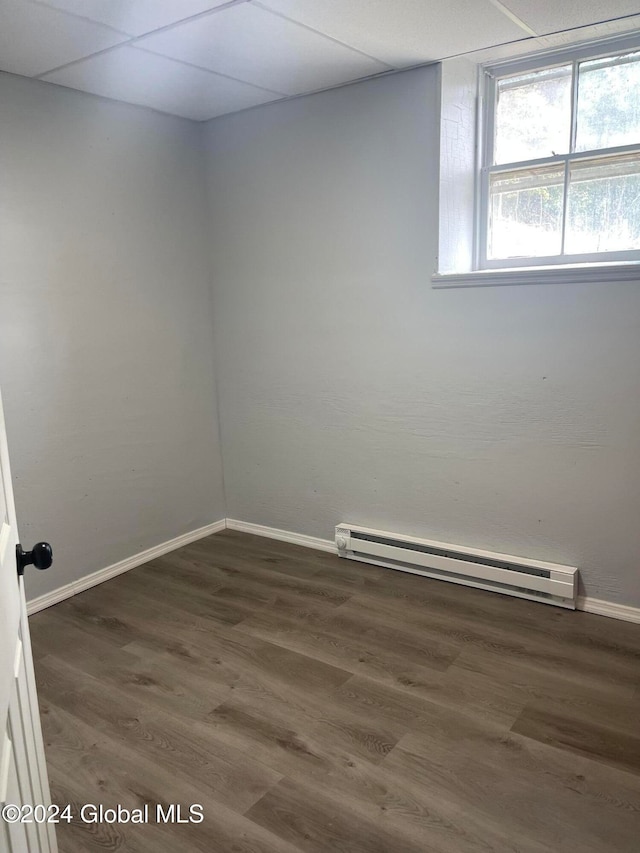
x: 546, y: 582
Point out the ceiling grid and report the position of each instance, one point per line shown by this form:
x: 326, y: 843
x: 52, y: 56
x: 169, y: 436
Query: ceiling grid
x: 203, y: 58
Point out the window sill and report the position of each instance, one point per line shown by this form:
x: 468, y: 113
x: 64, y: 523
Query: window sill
x: 566, y: 274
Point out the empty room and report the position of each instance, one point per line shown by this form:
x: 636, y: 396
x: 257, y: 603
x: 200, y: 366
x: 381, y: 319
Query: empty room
x: 320, y: 426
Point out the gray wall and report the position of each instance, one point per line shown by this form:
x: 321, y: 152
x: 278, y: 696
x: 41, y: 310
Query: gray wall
x: 349, y: 390
x: 503, y: 418
x: 106, y: 356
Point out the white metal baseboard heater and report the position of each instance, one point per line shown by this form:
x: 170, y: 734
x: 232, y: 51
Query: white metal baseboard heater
x: 547, y: 582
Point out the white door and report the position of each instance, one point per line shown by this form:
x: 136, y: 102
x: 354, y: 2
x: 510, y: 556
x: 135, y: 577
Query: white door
x: 23, y: 774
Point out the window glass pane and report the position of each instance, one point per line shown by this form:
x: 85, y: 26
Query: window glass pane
x: 603, y: 212
x: 533, y: 115
x: 525, y: 212
x: 608, y: 102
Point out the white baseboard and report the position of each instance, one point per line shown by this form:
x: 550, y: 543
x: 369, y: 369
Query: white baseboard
x: 283, y: 535
x: 609, y: 608
x: 56, y: 595
x: 586, y: 603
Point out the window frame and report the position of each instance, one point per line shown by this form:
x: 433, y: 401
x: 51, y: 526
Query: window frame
x: 489, y: 75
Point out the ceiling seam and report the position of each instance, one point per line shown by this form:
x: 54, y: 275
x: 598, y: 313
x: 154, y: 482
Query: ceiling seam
x: 73, y: 62
x: 207, y: 13
x: 159, y: 56
x: 318, y: 32
x: 45, y: 5
x: 208, y: 70
x: 513, y: 17
x: 587, y: 26
x: 378, y: 75
x: 203, y: 14
x: 130, y: 39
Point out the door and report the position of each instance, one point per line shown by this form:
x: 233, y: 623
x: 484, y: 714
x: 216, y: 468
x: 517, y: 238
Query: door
x: 23, y: 774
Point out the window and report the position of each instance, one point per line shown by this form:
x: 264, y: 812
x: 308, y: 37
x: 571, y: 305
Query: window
x: 559, y: 181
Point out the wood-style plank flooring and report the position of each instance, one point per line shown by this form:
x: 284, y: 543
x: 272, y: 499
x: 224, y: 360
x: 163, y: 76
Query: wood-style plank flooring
x: 313, y: 704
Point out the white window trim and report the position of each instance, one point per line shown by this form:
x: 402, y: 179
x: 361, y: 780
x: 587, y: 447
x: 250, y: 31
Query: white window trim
x: 461, y: 129
x: 604, y: 273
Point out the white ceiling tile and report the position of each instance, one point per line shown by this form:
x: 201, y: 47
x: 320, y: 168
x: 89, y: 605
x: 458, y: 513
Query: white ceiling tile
x: 138, y: 77
x: 252, y: 44
x: 548, y: 16
x: 34, y: 38
x: 135, y: 17
x: 407, y: 32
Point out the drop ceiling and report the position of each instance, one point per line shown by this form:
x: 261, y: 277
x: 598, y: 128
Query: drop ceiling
x: 204, y: 58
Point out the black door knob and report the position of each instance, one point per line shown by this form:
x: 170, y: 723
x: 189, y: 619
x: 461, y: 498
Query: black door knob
x: 41, y: 557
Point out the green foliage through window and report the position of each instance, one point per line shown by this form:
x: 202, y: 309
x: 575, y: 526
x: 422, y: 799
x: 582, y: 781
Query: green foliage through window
x: 562, y: 169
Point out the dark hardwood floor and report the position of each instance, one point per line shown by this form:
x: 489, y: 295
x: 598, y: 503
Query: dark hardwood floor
x: 314, y: 704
